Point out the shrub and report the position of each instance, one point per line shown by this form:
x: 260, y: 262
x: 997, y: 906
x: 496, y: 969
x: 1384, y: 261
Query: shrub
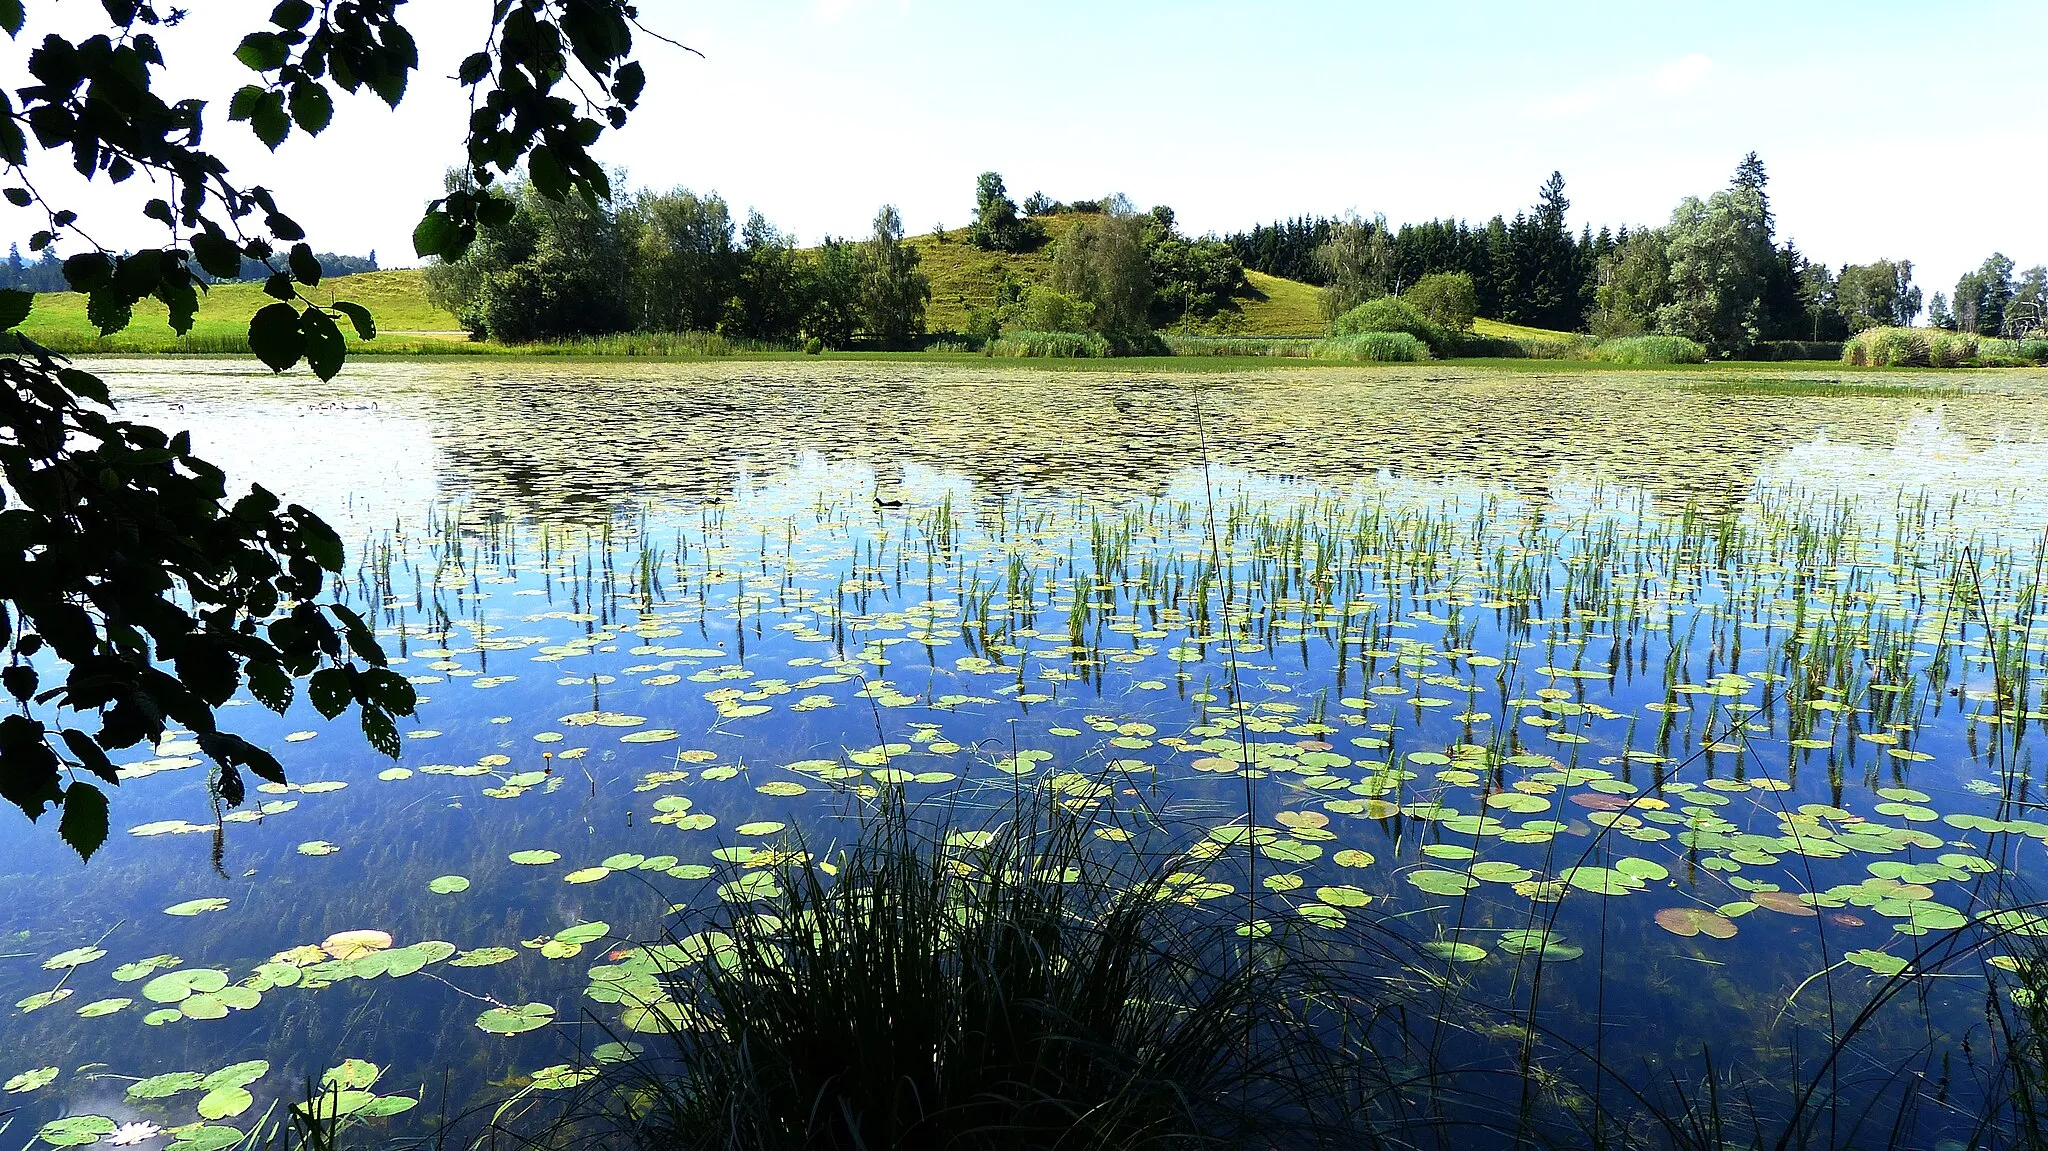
x: 1651, y: 350
x: 1377, y: 347
x: 1447, y: 299
x: 1950, y: 349
x: 1780, y: 351
x: 1391, y: 314
x: 1050, y: 345
x: 1888, y: 348
x: 1047, y: 309
x: 813, y: 346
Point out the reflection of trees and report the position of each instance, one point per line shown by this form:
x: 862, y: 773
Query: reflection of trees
x: 576, y: 438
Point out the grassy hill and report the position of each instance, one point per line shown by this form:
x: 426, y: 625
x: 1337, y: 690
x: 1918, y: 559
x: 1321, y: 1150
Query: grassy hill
x: 964, y: 276
x: 397, y: 299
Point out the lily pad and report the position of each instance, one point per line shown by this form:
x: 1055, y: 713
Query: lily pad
x: 34, y: 1080
x: 197, y: 906
x: 76, y: 957
x: 346, y: 945
x: 448, y: 885
x: 76, y: 1130
x: 515, y: 1020
x: 1686, y: 922
x: 177, y: 986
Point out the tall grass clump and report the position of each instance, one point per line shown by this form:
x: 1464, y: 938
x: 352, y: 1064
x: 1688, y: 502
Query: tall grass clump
x: 1647, y: 350
x: 648, y: 344
x: 1050, y: 345
x: 1391, y: 314
x: 1011, y: 986
x: 1887, y: 348
x: 1375, y: 347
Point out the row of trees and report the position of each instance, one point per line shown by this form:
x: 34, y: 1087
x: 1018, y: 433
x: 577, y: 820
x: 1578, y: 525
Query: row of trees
x: 46, y: 272
x: 1528, y: 270
x: 1714, y: 273
x: 1992, y: 301
x: 677, y: 261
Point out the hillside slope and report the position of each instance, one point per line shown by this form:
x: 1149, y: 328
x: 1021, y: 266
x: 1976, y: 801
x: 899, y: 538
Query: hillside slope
x: 396, y: 298
x: 965, y: 276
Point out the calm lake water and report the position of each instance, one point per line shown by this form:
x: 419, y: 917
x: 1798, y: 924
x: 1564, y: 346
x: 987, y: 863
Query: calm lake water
x: 1633, y: 702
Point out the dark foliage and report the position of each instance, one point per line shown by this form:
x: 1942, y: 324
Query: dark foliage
x: 138, y: 596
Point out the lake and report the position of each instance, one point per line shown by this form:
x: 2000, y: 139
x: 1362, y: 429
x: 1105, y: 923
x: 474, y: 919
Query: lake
x: 1666, y: 717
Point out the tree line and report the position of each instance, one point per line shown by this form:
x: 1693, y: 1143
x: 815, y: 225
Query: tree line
x: 676, y: 261
x: 1714, y: 272
x: 681, y: 261
x: 45, y: 273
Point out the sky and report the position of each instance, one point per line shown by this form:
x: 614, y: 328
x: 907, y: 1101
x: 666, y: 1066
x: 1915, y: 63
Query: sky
x: 1901, y: 130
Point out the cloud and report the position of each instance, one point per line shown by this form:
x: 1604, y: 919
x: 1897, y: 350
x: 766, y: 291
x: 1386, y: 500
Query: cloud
x: 1684, y: 74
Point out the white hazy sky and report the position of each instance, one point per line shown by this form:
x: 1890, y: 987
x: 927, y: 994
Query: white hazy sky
x: 1905, y: 130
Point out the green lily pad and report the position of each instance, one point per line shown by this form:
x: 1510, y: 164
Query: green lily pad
x: 34, y: 1080
x: 351, y: 1075
x: 448, y: 885
x: 514, y: 1020
x: 203, y: 1005
x: 224, y: 1103
x: 1454, y: 951
x: 1437, y: 881
x: 207, y: 1138
x: 75, y: 1130
x: 1553, y: 948
x: 166, y: 1085
x: 141, y: 968
x: 178, y: 985
x: 42, y: 999
x: 102, y: 1007
x: 535, y: 858
x: 197, y: 906
x: 1344, y: 896
x: 76, y: 957
x: 1600, y: 880
x: 1877, y: 961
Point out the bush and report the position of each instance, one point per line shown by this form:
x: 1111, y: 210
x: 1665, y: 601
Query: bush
x: 1050, y: 345
x: 1047, y: 309
x: 1391, y: 314
x: 1447, y: 299
x: 813, y: 346
x: 1376, y: 347
x: 1780, y: 351
x: 1645, y: 350
x: 1888, y: 348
